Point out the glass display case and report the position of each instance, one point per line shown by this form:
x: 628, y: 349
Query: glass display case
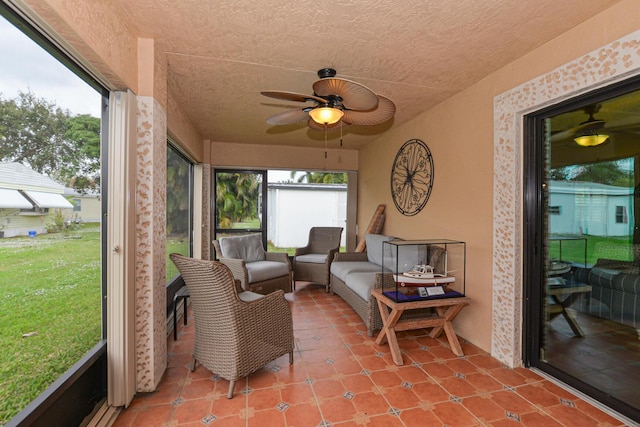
x: 415, y: 270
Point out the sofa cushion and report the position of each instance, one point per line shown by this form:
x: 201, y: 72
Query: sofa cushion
x: 312, y: 258
x: 628, y: 267
x: 361, y: 283
x: 343, y: 268
x: 247, y: 247
x: 259, y: 271
x: 375, y: 247
x: 407, y: 257
x: 602, y: 277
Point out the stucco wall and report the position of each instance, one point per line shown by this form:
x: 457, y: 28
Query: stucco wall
x: 460, y: 134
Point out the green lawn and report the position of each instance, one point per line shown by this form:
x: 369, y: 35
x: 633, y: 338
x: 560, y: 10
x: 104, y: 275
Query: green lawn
x: 50, y: 310
x: 597, y: 247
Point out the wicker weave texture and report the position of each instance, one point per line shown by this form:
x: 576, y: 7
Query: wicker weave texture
x: 322, y: 240
x: 368, y: 310
x: 233, y: 338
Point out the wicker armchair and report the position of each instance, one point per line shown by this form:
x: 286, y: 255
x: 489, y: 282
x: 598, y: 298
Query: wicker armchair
x: 312, y: 262
x: 257, y: 270
x: 236, y: 333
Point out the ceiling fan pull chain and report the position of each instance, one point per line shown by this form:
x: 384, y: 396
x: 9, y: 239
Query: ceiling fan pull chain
x: 325, y: 140
x: 340, y: 133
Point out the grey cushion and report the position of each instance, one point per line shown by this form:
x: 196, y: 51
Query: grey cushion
x: 374, y: 248
x: 247, y: 247
x: 342, y: 268
x: 360, y: 283
x: 248, y: 296
x: 408, y: 256
x: 312, y: 258
x: 259, y: 271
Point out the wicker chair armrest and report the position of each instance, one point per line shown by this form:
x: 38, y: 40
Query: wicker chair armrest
x: 331, y: 253
x: 385, y: 279
x: 270, y: 317
x: 350, y: 256
x: 303, y: 250
x: 239, y: 270
x: 278, y: 257
x: 238, y: 284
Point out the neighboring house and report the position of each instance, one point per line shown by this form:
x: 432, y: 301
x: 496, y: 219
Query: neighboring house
x: 28, y: 200
x: 295, y: 208
x: 578, y: 208
x: 87, y: 207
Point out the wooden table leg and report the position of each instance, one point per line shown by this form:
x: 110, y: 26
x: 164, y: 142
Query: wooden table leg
x: 562, y: 309
x: 448, y: 315
x: 389, y: 320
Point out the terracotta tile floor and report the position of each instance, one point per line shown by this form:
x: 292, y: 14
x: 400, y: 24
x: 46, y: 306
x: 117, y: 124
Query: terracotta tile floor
x: 341, y: 378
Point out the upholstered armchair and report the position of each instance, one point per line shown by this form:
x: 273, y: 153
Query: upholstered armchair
x: 236, y: 333
x: 313, y: 261
x: 256, y: 269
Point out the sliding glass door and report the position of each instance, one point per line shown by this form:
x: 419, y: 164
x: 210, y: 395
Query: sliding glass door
x: 582, y: 256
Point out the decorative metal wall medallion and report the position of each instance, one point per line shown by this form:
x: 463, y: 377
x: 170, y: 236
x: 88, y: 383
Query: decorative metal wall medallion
x: 412, y: 177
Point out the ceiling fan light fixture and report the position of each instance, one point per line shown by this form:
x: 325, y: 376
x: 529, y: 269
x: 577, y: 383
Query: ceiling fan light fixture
x: 326, y: 115
x: 590, y: 140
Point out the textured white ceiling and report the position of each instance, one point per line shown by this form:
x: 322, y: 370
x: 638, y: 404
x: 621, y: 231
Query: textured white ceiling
x: 416, y: 52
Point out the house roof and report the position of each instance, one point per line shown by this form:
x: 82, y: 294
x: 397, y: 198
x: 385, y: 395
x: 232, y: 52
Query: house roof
x: 20, y: 177
x: 418, y: 53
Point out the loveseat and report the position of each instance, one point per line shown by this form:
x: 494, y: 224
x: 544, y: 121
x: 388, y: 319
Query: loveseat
x: 354, y: 274
x: 615, y: 286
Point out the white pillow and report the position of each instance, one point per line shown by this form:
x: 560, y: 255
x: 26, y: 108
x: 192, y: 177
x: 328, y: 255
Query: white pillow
x: 247, y: 247
x: 374, y: 248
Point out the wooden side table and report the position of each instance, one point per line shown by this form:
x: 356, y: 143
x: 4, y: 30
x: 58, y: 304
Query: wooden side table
x: 446, y: 308
x: 563, y: 297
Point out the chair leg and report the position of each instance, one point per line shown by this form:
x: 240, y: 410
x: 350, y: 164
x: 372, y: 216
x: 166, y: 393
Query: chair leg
x: 193, y: 364
x: 291, y: 358
x: 231, y: 386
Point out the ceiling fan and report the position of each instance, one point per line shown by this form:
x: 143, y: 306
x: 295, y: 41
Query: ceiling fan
x: 336, y: 102
x: 587, y: 133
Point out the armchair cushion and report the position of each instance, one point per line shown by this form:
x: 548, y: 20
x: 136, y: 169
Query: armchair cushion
x: 247, y: 247
x: 259, y: 271
x: 312, y: 258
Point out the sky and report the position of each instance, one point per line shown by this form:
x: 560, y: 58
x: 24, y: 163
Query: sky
x: 26, y: 66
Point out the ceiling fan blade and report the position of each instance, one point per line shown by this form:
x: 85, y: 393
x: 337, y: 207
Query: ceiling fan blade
x: 317, y: 126
x: 292, y: 96
x: 354, y: 95
x: 288, y: 117
x: 385, y: 111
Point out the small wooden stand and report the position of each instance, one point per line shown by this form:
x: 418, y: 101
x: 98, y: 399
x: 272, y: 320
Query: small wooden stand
x: 390, y: 311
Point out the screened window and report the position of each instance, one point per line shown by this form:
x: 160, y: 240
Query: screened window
x: 179, y: 207
x: 52, y: 292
